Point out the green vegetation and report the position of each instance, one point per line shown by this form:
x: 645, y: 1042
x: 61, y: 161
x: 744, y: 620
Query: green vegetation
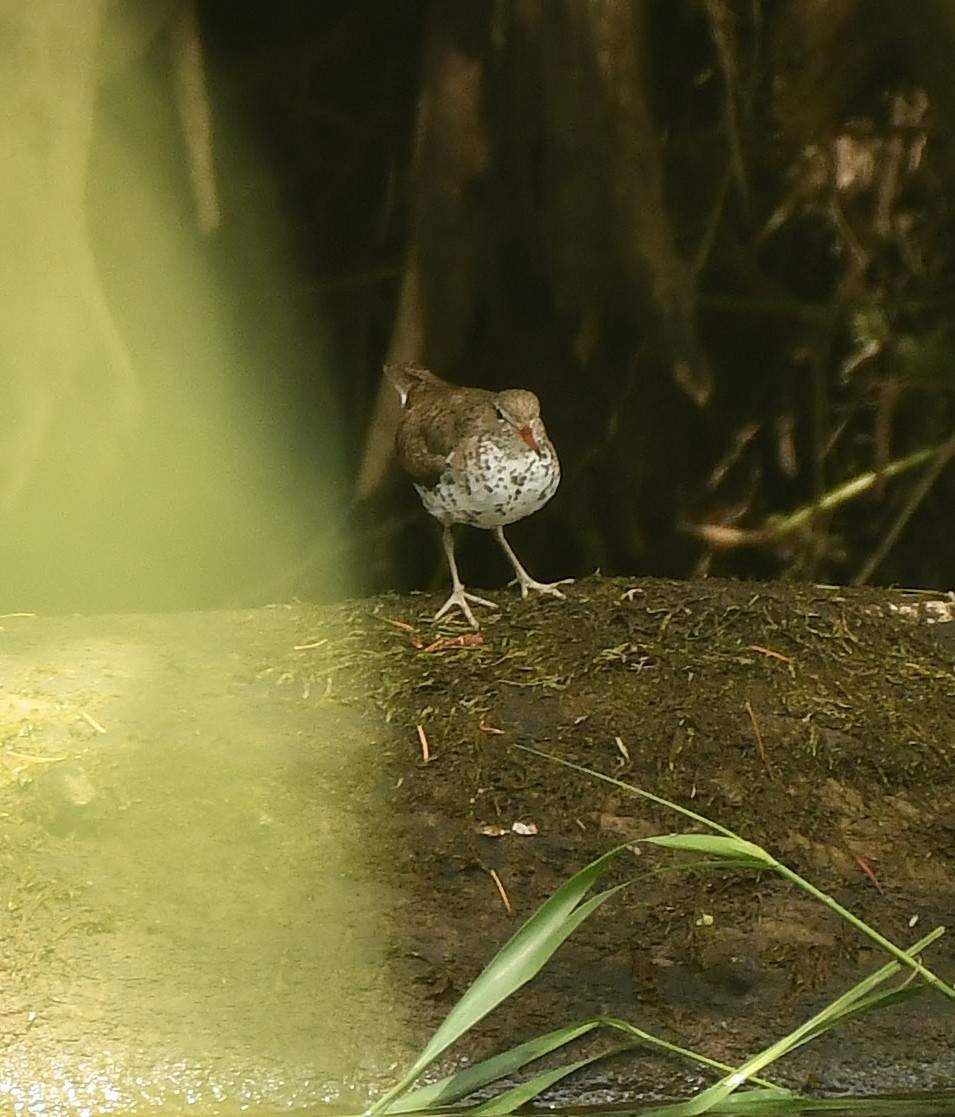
x: 535, y: 942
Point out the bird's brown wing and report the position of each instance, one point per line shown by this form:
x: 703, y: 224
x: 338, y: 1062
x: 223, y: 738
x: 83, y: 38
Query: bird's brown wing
x: 406, y: 376
x: 416, y: 453
x: 438, y: 418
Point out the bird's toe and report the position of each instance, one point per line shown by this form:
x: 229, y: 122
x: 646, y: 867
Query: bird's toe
x: 459, y: 600
x: 550, y: 588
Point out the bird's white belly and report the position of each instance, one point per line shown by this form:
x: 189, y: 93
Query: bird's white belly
x: 495, y: 490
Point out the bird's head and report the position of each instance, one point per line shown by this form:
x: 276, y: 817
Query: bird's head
x: 521, y: 409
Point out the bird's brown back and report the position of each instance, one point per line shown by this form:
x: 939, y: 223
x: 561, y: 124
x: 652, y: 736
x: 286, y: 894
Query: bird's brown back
x: 437, y: 418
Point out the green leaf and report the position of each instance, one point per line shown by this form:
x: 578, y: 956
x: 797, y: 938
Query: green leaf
x: 520, y: 1095
x: 716, y: 845
x: 520, y: 959
x: 464, y: 1082
x: 758, y: 1099
x: 832, y: 1014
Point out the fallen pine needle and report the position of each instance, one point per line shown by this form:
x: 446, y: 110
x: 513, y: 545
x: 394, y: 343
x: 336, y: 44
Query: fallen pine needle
x: 90, y: 720
x: 425, y: 747
x: 865, y: 867
x: 769, y: 651
x: 403, y: 625
x: 759, y: 736
x: 443, y: 643
x: 500, y: 888
x: 28, y: 758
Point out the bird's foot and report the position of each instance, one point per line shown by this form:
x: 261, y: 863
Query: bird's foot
x: 527, y: 583
x: 460, y: 599
x: 523, y: 579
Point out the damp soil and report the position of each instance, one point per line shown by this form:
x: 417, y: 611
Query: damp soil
x: 817, y: 722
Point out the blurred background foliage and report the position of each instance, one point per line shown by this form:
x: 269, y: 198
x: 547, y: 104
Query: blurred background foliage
x: 715, y: 237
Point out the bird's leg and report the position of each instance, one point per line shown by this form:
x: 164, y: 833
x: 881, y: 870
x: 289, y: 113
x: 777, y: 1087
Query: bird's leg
x: 523, y: 579
x: 458, y: 596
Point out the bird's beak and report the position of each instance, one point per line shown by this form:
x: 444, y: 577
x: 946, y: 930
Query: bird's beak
x: 528, y: 435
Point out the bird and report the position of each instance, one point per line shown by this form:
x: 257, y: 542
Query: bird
x: 475, y: 457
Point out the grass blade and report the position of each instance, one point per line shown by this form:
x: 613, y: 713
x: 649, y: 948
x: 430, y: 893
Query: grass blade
x: 457, y: 1086
x: 831, y: 1015
x: 672, y: 1048
x: 716, y: 845
x: 520, y: 1095
x: 766, y: 860
x: 520, y: 959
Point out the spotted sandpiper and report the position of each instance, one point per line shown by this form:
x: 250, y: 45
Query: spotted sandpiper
x: 475, y: 457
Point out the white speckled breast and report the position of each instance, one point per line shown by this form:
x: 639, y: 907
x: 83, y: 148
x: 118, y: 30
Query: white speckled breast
x: 502, y: 482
